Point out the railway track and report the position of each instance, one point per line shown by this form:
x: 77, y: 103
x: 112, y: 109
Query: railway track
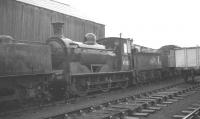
x: 131, y: 107
x: 192, y: 112
x: 75, y: 99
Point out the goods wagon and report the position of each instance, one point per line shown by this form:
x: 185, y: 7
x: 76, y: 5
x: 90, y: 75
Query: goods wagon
x: 165, y: 55
x: 167, y: 61
x: 186, y: 57
x: 187, y: 60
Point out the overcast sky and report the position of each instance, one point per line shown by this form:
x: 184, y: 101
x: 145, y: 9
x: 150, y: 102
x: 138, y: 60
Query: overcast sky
x: 151, y: 23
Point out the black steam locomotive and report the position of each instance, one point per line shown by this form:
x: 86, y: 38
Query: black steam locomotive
x: 63, y: 67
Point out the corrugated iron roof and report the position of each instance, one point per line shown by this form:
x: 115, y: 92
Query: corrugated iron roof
x: 57, y: 7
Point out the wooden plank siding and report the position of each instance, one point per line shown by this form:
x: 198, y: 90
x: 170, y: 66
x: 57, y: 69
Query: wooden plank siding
x: 27, y: 22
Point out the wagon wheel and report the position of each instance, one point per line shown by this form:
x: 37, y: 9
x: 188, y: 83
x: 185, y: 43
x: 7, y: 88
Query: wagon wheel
x: 124, y: 84
x: 79, y: 87
x: 189, y: 78
x: 106, y: 86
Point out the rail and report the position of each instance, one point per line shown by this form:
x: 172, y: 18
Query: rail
x: 194, y: 114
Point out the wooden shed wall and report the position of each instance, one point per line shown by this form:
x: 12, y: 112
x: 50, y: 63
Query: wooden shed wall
x: 27, y: 22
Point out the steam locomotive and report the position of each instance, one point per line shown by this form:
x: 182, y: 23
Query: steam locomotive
x: 63, y: 67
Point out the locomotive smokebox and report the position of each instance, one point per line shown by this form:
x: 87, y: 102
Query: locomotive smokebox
x: 57, y: 29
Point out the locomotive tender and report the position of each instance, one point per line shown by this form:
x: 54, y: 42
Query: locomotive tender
x: 25, y: 69
x: 62, y: 67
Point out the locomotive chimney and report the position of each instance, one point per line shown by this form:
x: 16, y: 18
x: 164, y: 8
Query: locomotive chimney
x: 58, y: 29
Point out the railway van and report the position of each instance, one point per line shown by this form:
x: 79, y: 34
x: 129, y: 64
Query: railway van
x: 187, y: 60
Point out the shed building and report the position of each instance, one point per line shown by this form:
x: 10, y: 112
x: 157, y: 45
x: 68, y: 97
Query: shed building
x: 31, y: 20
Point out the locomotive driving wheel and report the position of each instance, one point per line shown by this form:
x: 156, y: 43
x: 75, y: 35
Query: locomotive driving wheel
x: 80, y: 87
x: 189, y: 78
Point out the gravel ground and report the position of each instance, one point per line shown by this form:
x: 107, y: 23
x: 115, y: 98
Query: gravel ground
x: 175, y: 108
x: 87, y: 101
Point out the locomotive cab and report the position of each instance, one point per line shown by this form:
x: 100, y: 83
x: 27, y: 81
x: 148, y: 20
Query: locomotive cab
x: 122, y: 48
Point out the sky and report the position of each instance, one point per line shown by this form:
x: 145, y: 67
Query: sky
x: 151, y: 23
